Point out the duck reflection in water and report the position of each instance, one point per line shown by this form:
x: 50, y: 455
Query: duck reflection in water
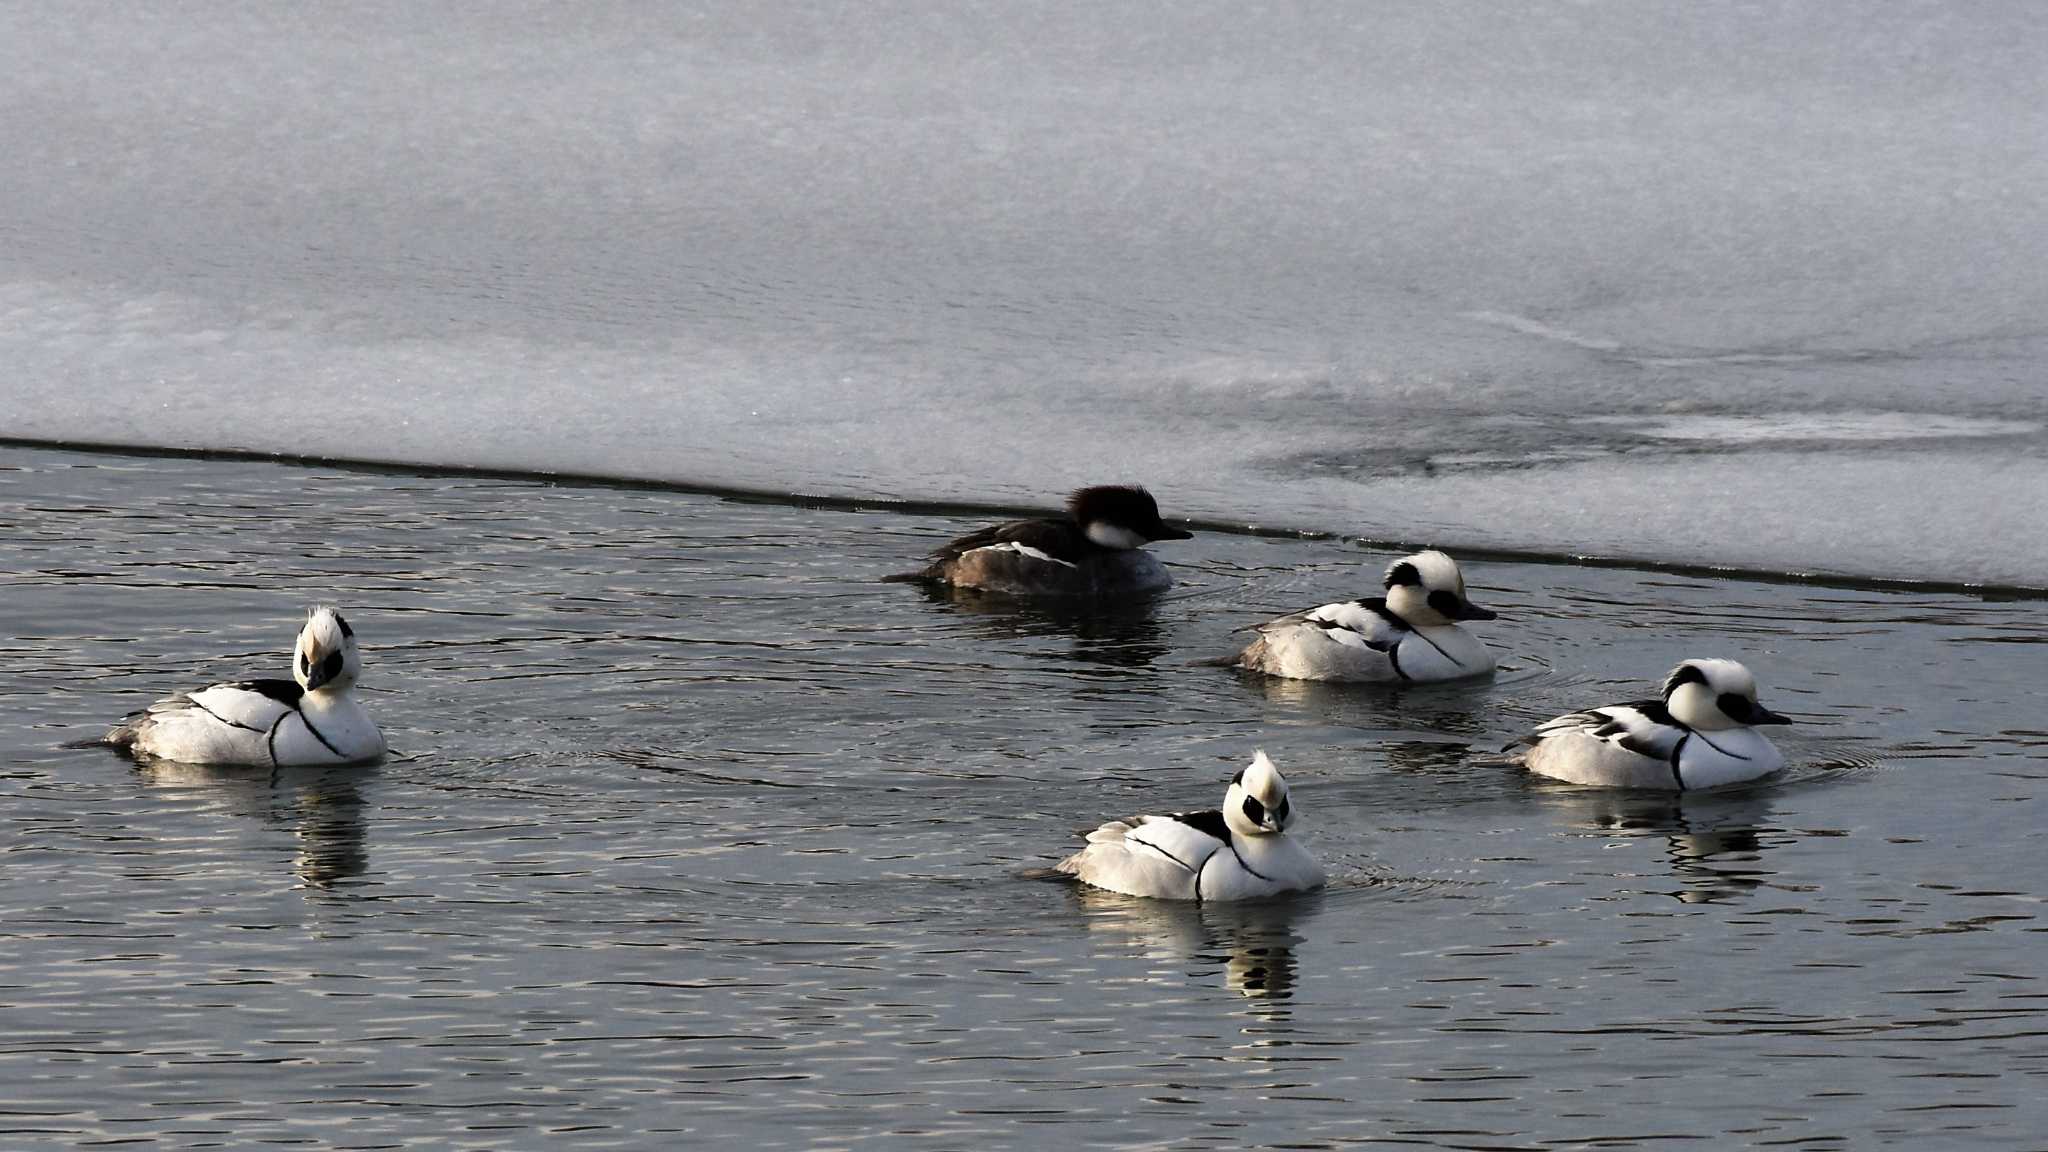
x: 1714, y: 841
x: 1252, y: 943
x: 1120, y: 637
x: 1427, y: 757
x: 1452, y: 709
x: 322, y: 807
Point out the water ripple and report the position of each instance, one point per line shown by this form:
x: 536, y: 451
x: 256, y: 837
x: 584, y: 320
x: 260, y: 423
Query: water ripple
x: 699, y: 831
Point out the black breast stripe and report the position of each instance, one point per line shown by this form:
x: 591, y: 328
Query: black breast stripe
x: 270, y: 736
x: 308, y: 722
x: 1439, y: 649
x: 1721, y: 750
x: 1379, y: 608
x: 1676, y: 776
x: 1245, y: 866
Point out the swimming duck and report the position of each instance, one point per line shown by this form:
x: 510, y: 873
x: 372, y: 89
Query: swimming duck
x: 313, y: 718
x: 1410, y: 634
x: 1096, y: 550
x: 1241, y: 852
x: 1702, y: 734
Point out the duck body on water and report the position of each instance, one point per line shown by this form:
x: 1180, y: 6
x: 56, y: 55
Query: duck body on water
x: 1410, y: 634
x: 1096, y: 551
x: 1701, y: 734
x: 313, y: 718
x: 1242, y: 851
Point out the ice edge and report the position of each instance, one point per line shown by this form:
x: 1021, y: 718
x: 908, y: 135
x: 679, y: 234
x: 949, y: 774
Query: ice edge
x: 917, y: 506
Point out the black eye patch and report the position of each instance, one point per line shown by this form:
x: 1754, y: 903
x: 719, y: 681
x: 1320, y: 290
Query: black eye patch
x: 1280, y: 812
x: 1736, y: 708
x: 1254, y: 811
x: 331, y: 667
x: 345, y: 629
x: 1403, y: 573
x: 1446, y: 603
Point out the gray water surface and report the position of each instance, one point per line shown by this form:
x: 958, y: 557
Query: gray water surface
x: 696, y: 829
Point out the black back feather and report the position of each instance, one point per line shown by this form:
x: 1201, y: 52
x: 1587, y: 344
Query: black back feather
x: 1209, y: 822
x: 285, y: 692
x: 1059, y: 539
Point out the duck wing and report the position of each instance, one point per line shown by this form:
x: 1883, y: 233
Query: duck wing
x: 1188, y: 838
x: 255, y: 705
x: 1356, y: 623
x: 1058, y: 540
x: 1645, y: 728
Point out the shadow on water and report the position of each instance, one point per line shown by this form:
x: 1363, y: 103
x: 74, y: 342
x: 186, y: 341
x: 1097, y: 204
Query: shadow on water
x: 1456, y: 708
x: 1427, y: 757
x: 1252, y: 944
x: 1118, y: 636
x: 322, y: 808
x: 1714, y: 842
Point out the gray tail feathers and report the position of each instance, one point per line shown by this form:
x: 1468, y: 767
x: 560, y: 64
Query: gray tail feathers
x: 122, y: 735
x: 933, y: 573
x: 1249, y: 658
x: 129, y: 730
x: 1071, y: 865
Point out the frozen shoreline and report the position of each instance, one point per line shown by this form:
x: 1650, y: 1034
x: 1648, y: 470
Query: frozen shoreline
x: 832, y: 496
x: 1694, y: 285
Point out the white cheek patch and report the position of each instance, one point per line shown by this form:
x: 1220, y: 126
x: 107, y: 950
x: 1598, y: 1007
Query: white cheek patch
x: 1027, y: 550
x: 1110, y: 535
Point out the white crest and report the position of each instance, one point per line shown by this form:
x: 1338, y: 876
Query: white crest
x: 326, y: 656
x: 1428, y: 589
x: 1701, y: 693
x: 1257, y: 803
x: 1438, y: 571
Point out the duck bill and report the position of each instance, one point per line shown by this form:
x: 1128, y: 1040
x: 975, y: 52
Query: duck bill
x: 1764, y: 715
x: 316, y: 671
x: 1471, y: 611
x: 1167, y: 532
